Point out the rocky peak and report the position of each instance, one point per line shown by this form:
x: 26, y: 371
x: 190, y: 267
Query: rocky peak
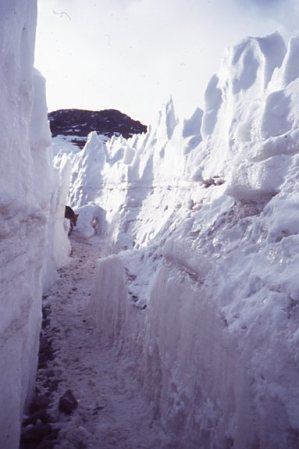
x: 78, y: 123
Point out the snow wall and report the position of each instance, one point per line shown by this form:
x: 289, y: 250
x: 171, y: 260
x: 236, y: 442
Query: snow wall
x: 206, y: 296
x: 30, y: 194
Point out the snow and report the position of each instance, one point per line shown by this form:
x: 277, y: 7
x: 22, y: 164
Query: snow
x: 28, y: 202
x: 290, y: 68
x: 203, y: 290
x: 188, y: 336
x: 112, y: 408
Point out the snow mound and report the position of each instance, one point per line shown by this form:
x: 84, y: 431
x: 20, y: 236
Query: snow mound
x: 91, y: 221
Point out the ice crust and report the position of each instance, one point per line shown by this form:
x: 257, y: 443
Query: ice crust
x: 30, y: 193
x: 206, y: 293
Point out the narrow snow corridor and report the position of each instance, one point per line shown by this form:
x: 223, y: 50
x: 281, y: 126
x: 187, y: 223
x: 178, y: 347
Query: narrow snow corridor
x: 112, y: 411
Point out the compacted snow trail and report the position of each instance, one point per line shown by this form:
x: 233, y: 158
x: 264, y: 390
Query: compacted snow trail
x: 111, y: 411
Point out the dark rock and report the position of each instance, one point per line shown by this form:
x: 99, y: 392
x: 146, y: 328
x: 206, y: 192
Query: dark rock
x: 46, y: 352
x: 53, y: 435
x: 46, y: 311
x: 41, y: 415
x: 68, y: 403
x: 97, y: 409
x: 50, y: 373
x: 28, y: 445
x: 45, y: 344
x: 46, y: 444
x: 45, y: 323
x: 51, y: 384
x: 79, y: 123
x: 39, y: 402
x: 36, y: 433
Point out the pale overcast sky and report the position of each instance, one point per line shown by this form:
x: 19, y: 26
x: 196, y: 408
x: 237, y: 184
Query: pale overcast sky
x: 132, y: 55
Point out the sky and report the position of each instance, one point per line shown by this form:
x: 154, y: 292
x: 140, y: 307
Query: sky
x: 133, y: 55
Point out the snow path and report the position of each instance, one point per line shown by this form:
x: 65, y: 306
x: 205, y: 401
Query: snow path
x: 112, y: 411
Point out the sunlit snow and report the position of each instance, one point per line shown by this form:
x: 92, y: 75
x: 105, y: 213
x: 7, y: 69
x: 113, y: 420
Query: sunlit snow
x: 197, y: 288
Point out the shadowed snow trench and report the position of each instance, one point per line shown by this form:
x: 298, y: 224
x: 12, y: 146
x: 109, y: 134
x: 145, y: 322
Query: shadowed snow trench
x: 111, y: 411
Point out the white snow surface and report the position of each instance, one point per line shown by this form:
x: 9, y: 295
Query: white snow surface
x: 29, y: 213
x: 204, y: 290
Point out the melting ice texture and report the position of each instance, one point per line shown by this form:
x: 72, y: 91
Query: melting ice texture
x: 206, y: 293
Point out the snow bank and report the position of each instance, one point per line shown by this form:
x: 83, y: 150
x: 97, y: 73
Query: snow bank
x: 206, y: 298
x: 27, y: 205
x: 91, y: 222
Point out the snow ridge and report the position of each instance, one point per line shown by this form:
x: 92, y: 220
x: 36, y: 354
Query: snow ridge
x: 207, y: 210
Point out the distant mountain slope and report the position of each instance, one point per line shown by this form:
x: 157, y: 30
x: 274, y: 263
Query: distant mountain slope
x: 78, y: 123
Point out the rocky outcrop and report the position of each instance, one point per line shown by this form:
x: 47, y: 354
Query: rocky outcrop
x: 79, y: 123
